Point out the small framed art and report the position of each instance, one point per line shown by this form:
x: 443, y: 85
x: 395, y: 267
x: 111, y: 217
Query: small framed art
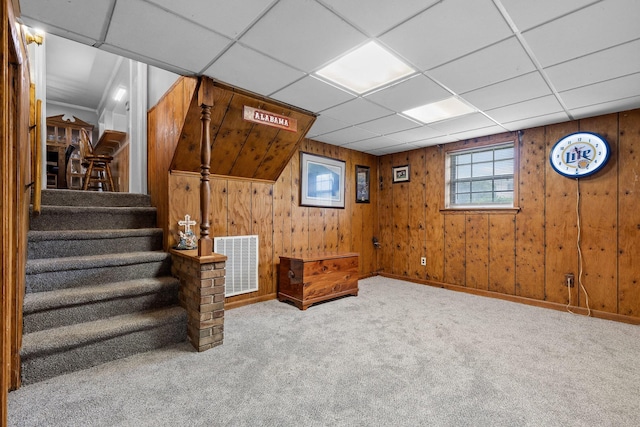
x: 401, y: 174
x: 322, y: 181
x: 362, y: 184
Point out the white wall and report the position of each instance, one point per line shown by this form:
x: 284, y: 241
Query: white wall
x: 38, y: 70
x: 159, y: 81
x: 138, y: 125
x: 145, y: 86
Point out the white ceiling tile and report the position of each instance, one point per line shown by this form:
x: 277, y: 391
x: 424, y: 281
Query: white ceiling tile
x: 373, y: 144
x: 325, y: 124
x: 477, y: 133
x: 527, y: 14
x: 511, y: 91
x: 585, y: 31
x: 390, y: 124
x: 86, y: 18
x: 345, y: 136
x: 50, y: 29
x: 357, y: 111
x: 596, y: 67
x: 416, y: 91
x: 501, y: 61
x: 445, y: 139
x: 448, y: 30
x: 223, y: 16
x: 416, y: 134
x: 166, y: 37
x: 147, y: 60
x: 312, y: 94
x: 524, y: 110
x: 302, y: 33
x: 611, y: 90
x: 272, y: 75
x: 80, y: 71
x: 469, y: 121
x: 392, y: 149
x: 536, y: 121
x: 377, y: 16
x: 606, y: 107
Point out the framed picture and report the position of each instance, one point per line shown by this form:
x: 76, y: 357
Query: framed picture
x: 401, y: 174
x: 322, y: 181
x: 362, y: 184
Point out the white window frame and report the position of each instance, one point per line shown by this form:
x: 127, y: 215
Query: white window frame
x: 449, y: 184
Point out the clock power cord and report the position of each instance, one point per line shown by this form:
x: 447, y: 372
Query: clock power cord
x: 586, y: 295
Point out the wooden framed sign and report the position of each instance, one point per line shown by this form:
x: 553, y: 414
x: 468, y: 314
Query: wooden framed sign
x: 256, y: 115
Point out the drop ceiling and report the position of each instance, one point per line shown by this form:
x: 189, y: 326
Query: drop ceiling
x: 518, y: 63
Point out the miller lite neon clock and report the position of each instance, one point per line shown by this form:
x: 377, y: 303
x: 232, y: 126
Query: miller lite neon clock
x: 579, y: 154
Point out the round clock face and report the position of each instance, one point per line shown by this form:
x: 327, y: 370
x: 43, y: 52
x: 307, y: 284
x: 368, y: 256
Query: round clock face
x: 579, y: 154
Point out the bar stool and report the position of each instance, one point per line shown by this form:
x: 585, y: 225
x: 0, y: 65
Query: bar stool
x: 98, y: 169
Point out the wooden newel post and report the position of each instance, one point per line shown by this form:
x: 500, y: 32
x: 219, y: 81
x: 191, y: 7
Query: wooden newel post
x: 205, y: 97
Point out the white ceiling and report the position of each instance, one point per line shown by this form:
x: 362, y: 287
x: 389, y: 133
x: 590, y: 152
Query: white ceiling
x: 519, y: 63
x: 78, y: 75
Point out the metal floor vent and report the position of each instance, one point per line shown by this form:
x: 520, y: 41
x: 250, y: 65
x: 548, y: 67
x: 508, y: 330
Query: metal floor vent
x: 242, y: 263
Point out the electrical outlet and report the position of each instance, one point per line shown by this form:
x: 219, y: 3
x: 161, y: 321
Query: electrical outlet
x: 423, y: 261
x: 569, y: 279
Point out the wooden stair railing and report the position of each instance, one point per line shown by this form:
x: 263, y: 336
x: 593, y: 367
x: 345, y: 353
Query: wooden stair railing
x: 205, y: 100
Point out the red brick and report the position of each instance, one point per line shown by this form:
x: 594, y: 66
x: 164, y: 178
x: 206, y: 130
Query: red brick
x: 206, y: 316
x: 212, y: 323
x: 212, y: 273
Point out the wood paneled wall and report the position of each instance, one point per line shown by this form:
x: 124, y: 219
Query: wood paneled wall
x: 15, y: 175
x: 164, y: 126
x: 272, y: 211
x: 524, y: 255
x: 120, y: 168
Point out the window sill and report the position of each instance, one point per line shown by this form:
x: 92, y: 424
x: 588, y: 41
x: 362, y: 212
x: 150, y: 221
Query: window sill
x: 479, y: 211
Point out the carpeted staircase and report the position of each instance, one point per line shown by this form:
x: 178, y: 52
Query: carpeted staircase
x: 98, y: 285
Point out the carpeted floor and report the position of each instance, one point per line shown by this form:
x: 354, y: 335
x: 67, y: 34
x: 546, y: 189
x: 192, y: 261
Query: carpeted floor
x: 399, y: 354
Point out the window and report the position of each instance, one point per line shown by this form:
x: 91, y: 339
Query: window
x: 480, y: 178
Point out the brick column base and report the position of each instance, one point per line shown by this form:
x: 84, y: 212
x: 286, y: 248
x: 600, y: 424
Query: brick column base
x: 202, y: 295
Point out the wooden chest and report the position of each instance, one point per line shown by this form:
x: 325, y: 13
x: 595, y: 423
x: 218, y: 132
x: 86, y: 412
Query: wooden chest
x: 310, y: 279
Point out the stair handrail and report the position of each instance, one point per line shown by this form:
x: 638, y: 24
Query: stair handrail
x: 37, y: 159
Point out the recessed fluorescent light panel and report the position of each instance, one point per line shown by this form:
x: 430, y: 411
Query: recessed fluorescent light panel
x: 120, y: 94
x: 441, y: 110
x: 366, y: 68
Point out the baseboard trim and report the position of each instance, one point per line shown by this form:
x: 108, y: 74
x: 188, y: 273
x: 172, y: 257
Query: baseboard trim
x: 522, y: 300
x: 263, y: 298
x: 236, y: 304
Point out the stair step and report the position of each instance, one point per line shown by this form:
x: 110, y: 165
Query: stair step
x: 69, y: 243
x: 97, y: 218
x: 49, y: 274
x: 93, y: 198
x: 46, y: 310
x: 98, y: 285
x: 66, y: 349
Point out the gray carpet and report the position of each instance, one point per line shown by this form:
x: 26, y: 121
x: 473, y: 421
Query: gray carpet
x: 399, y: 354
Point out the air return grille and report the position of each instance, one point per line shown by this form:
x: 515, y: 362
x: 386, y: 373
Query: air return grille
x: 242, y: 263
